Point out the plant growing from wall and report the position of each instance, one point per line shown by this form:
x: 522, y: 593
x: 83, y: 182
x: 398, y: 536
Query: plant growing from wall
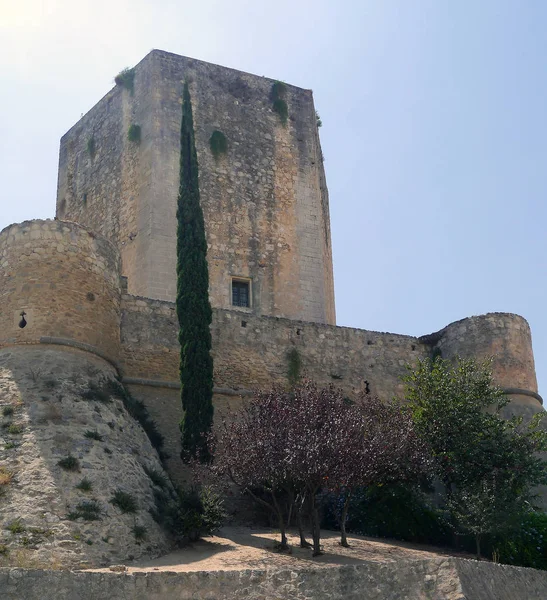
x: 278, y: 95
x: 126, y: 79
x: 218, y: 143
x: 134, y: 133
x: 193, y: 307
x: 91, y: 146
x: 294, y: 365
x: 318, y: 120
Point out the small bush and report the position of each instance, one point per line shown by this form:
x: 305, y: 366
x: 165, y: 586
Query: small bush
x: 5, y: 476
x: 10, y: 445
x: 139, y: 531
x: 126, y: 79
x: 7, y: 411
x: 85, y: 485
x: 156, y: 477
x: 69, y: 463
x: 15, y: 429
x: 91, y: 146
x: 134, y: 133
x: 96, y: 392
x: 4, y: 550
x: 93, y: 435
x: 16, y: 527
x: 218, y: 143
x: 88, y: 510
x: 528, y: 546
x: 124, y: 501
x: 318, y: 120
x: 189, y: 514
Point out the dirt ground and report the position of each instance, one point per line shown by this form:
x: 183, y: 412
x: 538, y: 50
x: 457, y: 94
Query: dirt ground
x: 237, y: 548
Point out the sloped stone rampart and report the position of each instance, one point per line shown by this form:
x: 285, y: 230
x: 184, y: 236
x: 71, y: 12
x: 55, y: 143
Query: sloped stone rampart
x: 438, y: 579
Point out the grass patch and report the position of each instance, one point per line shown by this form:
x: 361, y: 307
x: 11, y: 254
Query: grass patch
x: 10, y: 445
x: 5, y: 476
x: 156, y: 477
x: 3, y: 550
x: 139, y: 531
x: 85, y: 485
x: 93, y: 435
x: 218, y: 143
x: 7, y: 411
x: 124, y: 501
x: 15, y: 429
x: 16, y: 527
x: 69, y: 463
x: 88, y: 510
x: 134, y: 133
x: 126, y: 79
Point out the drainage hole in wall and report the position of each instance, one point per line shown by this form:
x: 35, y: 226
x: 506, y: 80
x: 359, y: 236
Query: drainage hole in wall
x: 23, y: 321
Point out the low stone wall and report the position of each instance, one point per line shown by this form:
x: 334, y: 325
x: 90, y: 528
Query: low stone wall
x: 437, y: 579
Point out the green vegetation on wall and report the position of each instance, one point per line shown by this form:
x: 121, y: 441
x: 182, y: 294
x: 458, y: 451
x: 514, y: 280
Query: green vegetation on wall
x: 126, y: 79
x: 91, y: 146
x: 193, y: 306
x: 278, y: 95
x: 294, y: 364
x: 318, y: 120
x: 134, y: 133
x: 218, y: 143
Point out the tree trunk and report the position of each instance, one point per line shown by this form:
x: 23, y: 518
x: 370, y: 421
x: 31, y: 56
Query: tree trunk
x: 478, y: 545
x: 303, y: 541
x: 316, y: 530
x: 343, y: 519
x: 284, y: 545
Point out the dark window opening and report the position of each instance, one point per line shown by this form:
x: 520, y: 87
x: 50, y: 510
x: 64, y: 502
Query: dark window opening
x: 240, y: 293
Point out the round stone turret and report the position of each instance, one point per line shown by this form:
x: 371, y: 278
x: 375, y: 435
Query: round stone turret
x: 59, y: 284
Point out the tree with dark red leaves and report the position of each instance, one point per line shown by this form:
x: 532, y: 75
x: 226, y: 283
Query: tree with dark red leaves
x: 300, y: 442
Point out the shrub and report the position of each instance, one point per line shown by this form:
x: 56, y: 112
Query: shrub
x: 88, y: 510
x: 16, y: 527
x: 96, y: 392
x: 7, y: 411
x: 126, y: 79
x: 93, y: 435
x: 139, y: 531
x: 318, y: 120
x: 69, y: 463
x: 124, y: 501
x: 218, y: 143
x: 134, y: 133
x: 526, y: 548
x: 15, y: 429
x: 189, y: 514
x: 85, y: 485
x: 4, y: 550
x: 5, y: 476
x: 137, y: 410
x: 156, y: 477
x: 10, y: 445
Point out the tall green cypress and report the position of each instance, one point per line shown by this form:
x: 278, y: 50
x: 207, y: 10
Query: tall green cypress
x: 193, y: 307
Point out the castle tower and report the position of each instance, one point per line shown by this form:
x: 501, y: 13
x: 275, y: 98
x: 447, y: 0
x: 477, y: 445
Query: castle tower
x: 264, y: 198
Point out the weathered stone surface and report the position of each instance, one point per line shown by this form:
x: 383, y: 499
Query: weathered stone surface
x: 44, y: 386
x: 439, y: 579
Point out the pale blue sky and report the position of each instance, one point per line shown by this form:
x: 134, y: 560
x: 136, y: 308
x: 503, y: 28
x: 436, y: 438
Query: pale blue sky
x: 434, y: 135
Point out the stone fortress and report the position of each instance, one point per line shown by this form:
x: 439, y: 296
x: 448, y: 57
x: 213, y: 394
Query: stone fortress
x: 100, y: 278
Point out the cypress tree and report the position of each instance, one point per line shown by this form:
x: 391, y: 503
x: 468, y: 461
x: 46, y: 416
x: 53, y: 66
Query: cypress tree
x: 193, y: 307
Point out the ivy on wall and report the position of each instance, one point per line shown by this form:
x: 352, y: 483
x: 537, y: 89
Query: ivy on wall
x: 278, y: 95
x: 193, y: 307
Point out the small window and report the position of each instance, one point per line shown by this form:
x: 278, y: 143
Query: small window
x: 241, y: 295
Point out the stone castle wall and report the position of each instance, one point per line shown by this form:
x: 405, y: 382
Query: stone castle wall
x: 265, y: 201
x: 67, y: 281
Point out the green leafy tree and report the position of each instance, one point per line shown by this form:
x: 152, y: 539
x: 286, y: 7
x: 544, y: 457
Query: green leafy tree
x: 193, y: 307
x: 488, y: 465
